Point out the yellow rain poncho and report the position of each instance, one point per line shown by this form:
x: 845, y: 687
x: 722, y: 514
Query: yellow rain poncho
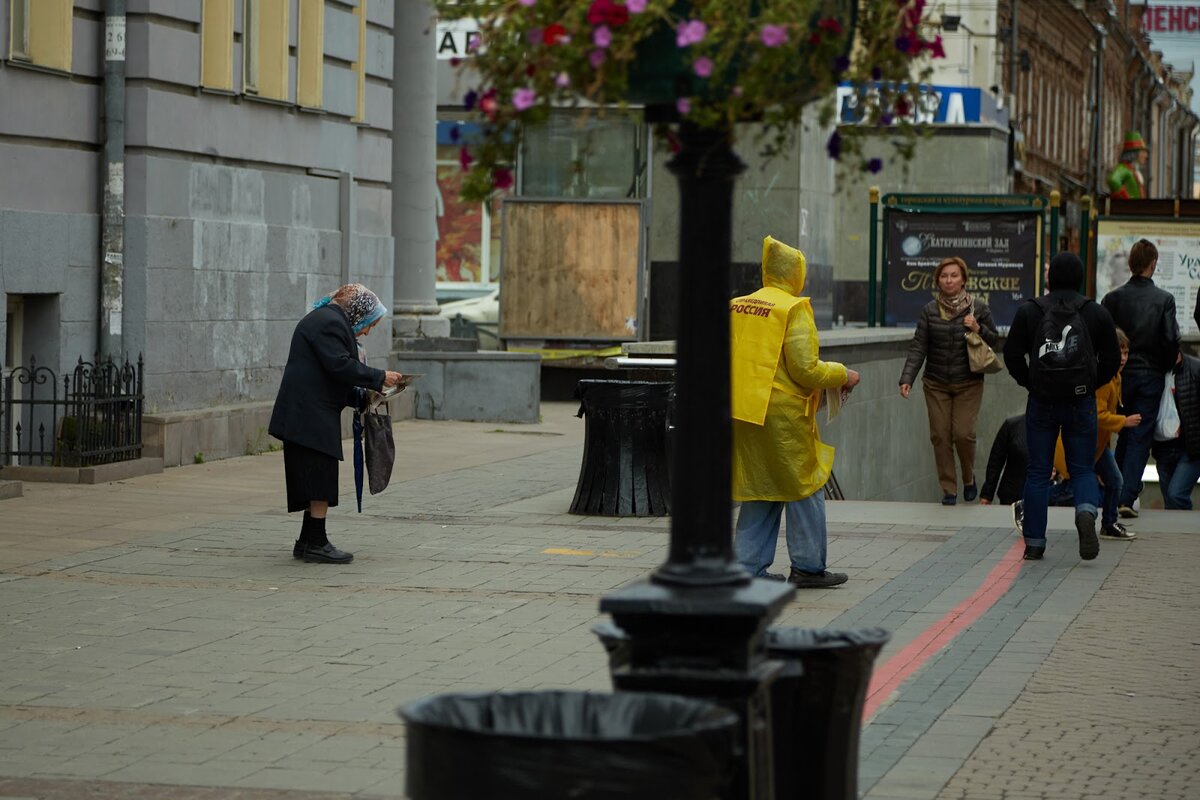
x: 777, y: 378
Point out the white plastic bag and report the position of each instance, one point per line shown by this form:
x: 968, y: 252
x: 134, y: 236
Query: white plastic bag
x: 1167, y: 426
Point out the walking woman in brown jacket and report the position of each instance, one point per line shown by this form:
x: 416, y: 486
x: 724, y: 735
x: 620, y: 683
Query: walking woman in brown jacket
x: 952, y: 391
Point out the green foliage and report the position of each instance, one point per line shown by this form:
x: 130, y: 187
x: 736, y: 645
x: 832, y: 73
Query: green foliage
x: 714, y: 62
x: 198, y: 458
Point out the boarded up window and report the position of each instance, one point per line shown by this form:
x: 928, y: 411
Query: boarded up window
x: 310, y: 61
x: 216, y: 45
x: 40, y: 32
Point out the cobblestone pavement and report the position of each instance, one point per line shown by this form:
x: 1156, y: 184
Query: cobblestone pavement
x: 160, y: 641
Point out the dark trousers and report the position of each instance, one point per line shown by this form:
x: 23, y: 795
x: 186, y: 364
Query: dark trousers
x: 1076, y: 421
x: 1141, y: 392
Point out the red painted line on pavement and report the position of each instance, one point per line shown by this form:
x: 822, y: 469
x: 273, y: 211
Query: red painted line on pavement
x: 897, y: 669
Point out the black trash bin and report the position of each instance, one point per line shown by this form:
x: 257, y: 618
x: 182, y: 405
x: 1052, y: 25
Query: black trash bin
x: 816, y: 709
x: 625, y: 471
x: 560, y: 745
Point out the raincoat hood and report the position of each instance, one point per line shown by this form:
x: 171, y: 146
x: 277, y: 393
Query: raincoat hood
x: 783, y: 267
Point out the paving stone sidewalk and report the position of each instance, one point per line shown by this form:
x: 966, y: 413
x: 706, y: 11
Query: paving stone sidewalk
x: 160, y: 641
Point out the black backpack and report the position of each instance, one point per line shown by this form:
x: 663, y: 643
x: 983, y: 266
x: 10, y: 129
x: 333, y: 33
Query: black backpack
x: 1062, y: 360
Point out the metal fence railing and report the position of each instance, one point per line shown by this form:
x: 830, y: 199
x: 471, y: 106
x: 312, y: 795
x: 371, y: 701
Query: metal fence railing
x: 93, y: 417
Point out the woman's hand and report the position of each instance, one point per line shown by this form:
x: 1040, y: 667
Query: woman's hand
x: 1133, y: 420
x: 392, y: 378
x: 851, y: 379
x: 972, y: 323
x: 905, y: 388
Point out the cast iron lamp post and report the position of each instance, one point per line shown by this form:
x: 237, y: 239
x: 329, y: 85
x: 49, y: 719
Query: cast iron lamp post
x: 695, y: 627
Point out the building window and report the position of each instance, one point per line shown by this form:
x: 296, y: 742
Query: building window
x: 468, y: 243
x: 597, y: 157
x: 216, y: 45
x: 265, y: 49
x: 40, y: 32
x: 310, y: 56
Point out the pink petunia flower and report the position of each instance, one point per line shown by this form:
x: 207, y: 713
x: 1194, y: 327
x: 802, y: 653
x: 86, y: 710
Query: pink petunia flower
x: 683, y: 106
x: 602, y: 37
x: 527, y: 3
x: 523, y: 98
x: 596, y: 58
x: 563, y: 80
x: 703, y: 66
x: 635, y: 6
x: 691, y: 32
x: 773, y: 35
x: 502, y: 178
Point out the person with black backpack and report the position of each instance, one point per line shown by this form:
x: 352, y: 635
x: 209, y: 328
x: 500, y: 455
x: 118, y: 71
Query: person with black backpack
x: 1061, y: 347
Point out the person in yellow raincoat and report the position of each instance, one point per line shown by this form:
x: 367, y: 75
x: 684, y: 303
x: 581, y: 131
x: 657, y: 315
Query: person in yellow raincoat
x: 779, y: 461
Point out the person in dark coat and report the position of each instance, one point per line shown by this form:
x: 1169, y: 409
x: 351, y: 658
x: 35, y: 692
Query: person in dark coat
x: 322, y: 375
x: 1008, y: 463
x: 1147, y: 315
x: 953, y: 393
x: 1050, y: 410
x: 1178, y: 459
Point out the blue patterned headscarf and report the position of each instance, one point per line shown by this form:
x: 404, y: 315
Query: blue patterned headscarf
x: 361, y: 305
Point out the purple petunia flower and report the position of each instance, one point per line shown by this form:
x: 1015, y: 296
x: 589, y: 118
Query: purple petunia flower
x: 841, y: 64
x: 773, y: 35
x: 703, y: 66
x: 691, y: 32
x: 563, y: 80
x: 876, y: 73
x: 874, y: 165
x: 635, y: 6
x: 596, y: 58
x: 526, y: 3
x: 602, y: 37
x: 834, y: 146
x: 523, y: 98
x: 683, y: 106
x: 470, y: 99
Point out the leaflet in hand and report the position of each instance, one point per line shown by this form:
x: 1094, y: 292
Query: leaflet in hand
x: 376, y: 399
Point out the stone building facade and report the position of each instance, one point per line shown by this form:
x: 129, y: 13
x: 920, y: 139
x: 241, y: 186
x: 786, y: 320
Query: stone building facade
x: 256, y: 178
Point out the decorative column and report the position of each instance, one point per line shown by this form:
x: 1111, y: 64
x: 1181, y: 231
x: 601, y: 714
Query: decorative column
x: 414, y: 176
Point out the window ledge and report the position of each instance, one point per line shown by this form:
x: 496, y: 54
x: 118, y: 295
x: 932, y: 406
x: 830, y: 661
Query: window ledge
x: 21, y: 63
x: 270, y: 101
x: 217, y: 91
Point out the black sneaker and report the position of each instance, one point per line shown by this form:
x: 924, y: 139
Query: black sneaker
x: 1127, y: 512
x: 1117, y: 531
x: 970, y: 492
x: 816, y: 580
x: 1034, y: 553
x: 1089, y: 545
x: 1018, y: 509
x: 327, y: 554
x: 773, y: 576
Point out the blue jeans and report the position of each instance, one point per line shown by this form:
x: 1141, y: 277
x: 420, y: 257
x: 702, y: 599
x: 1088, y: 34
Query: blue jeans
x: 758, y: 531
x: 1110, y: 473
x: 1076, y: 420
x: 1177, y: 475
x: 1141, y: 392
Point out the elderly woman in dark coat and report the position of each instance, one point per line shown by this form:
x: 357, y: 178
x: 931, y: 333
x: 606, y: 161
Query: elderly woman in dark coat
x: 320, y: 379
x: 953, y: 392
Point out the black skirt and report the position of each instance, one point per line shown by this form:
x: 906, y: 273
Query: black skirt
x: 309, y: 476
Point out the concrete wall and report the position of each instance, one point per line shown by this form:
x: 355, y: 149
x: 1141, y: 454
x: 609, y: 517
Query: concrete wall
x: 237, y: 214
x: 882, y: 440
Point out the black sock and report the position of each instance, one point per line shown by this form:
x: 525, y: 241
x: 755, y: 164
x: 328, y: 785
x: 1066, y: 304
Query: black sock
x: 305, y: 527
x: 316, y: 532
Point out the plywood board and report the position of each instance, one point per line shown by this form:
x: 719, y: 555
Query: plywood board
x: 570, y: 270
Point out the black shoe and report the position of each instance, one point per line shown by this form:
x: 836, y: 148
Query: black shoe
x: 970, y: 492
x: 1089, y: 545
x: 1018, y: 510
x: 772, y: 576
x: 1034, y: 553
x: 298, y: 549
x: 326, y: 554
x: 1117, y: 531
x: 949, y: 499
x: 816, y: 580
x: 1127, y: 512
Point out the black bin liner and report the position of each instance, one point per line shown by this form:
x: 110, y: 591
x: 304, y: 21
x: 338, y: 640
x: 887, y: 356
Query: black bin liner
x: 625, y: 470
x: 559, y: 745
x: 816, y: 708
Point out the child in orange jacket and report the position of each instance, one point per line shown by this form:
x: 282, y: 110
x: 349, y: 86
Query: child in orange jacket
x: 1108, y: 422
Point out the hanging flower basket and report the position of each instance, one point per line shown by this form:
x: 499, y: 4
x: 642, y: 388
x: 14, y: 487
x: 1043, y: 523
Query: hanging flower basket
x: 709, y: 63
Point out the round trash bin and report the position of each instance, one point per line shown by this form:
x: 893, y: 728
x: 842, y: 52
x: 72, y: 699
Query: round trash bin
x: 816, y: 708
x: 560, y: 745
x: 625, y: 469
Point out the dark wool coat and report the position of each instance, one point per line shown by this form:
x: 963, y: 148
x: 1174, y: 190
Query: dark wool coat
x: 941, y: 345
x: 318, y: 382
